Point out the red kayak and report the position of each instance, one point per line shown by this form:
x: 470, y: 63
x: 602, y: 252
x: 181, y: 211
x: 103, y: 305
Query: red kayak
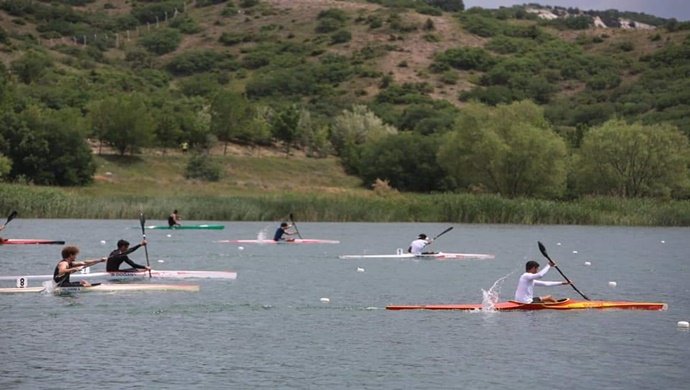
x: 565, y: 304
x: 27, y: 241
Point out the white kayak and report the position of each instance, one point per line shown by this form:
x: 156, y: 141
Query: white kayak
x: 427, y: 256
x: 107, y: 288
x: 281, y: 242
x: 158, y: 274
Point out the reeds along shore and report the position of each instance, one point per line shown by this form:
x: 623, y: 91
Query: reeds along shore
x: 46, y: 202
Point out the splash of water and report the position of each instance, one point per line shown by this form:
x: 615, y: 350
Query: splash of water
x: 262, y: 235
x: 491, y: 297
x: 49, y: 286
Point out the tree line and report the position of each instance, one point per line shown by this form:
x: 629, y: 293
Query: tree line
x: 516, y: 134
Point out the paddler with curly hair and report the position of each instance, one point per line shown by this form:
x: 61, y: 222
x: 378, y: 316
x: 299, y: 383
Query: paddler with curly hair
x: 68, y: 266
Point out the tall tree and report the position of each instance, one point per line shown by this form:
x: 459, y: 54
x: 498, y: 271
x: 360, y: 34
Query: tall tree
x: 47, y: 147
x: 123, y: 122
x: 285, y: 126
x: 510, y: 150
x: 230, y: 113
x: 633, y: 160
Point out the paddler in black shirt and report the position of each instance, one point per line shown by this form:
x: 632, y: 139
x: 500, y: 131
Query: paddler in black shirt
x: 119, y: 255
x: 67, y: 266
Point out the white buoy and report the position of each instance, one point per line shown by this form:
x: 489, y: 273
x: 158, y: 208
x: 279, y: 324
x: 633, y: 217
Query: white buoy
x: 241, y: 248
x: 102, y: 242
x: 325, y: 300
x: 612, y: 284
x: 684, y: 324
x: 558, y: 243
x: 168, y: 235
x: 161, y: 261
x: 663, y: 242
x: 575, y: 252
x: 588, y: 263
x: 360, y: 269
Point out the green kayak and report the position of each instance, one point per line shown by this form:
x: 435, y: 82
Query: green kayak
x: 210, y: 227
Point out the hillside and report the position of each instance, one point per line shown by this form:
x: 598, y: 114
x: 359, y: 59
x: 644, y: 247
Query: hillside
x: 385, y: 41
x: 327, y: 79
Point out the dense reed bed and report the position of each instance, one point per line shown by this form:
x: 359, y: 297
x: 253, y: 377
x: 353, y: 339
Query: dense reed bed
x: 43, y: 202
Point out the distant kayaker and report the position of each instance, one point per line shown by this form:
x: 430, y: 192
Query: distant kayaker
x: 525, y: 288
x: 417, y: 246
x: 282, y: 231
x: 174, y: 219
x: 119, y: 255
x: 68, y: 265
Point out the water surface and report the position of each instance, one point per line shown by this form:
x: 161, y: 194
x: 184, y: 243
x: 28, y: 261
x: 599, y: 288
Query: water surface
x: 269, y: 328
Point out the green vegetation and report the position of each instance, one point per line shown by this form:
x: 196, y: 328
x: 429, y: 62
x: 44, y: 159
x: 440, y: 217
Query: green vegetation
x: 497, y: 108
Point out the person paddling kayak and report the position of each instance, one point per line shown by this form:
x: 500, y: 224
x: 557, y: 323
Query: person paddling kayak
x: 119, y: 255
x: 174, y: 219
x: 525, y: 289
x: 282, y: 231
x: 417, y: 246
x: 68, y: 265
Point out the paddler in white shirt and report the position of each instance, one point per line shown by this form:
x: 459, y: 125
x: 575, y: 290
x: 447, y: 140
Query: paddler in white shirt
x: 525, y: 288
x: 417, y: 246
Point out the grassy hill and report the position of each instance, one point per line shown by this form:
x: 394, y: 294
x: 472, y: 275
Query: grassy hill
x: 246, y: 171
x: 414, y: 65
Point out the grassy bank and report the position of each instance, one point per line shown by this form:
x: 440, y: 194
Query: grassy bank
x: 263, y: 185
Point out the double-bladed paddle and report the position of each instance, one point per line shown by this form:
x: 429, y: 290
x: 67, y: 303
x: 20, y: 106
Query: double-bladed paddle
x: 142, y: 221
x: 542, y: 249
x: 295, y: 226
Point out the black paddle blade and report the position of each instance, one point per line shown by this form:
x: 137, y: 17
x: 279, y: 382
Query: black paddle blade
x: 12, y: 215
x: 142, y: 221
x: 542, y: 249
x: 443, y: 232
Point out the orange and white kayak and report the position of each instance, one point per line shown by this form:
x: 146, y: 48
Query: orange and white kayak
x: 565, y: 304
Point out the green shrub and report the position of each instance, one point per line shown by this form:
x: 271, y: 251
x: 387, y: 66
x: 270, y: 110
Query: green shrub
x: 341, y: 36
x: 161, y: 41
x: 202, y: 167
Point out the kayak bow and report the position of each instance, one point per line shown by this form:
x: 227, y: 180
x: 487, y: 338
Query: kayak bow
x: 565, y: 304
x: 28, y: 241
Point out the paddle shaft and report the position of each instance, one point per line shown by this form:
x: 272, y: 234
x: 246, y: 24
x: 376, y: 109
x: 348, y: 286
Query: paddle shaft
x: 142, y: 220
x: 542, y: 249
x: 443, y: 232
x: 295, y: 226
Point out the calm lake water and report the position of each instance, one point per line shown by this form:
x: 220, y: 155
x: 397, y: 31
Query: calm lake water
x: 269, y: 328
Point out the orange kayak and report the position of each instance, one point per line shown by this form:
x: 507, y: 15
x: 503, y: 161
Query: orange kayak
x: 565, y: 304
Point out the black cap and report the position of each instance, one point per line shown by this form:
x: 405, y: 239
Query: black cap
x: 422, y: 236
